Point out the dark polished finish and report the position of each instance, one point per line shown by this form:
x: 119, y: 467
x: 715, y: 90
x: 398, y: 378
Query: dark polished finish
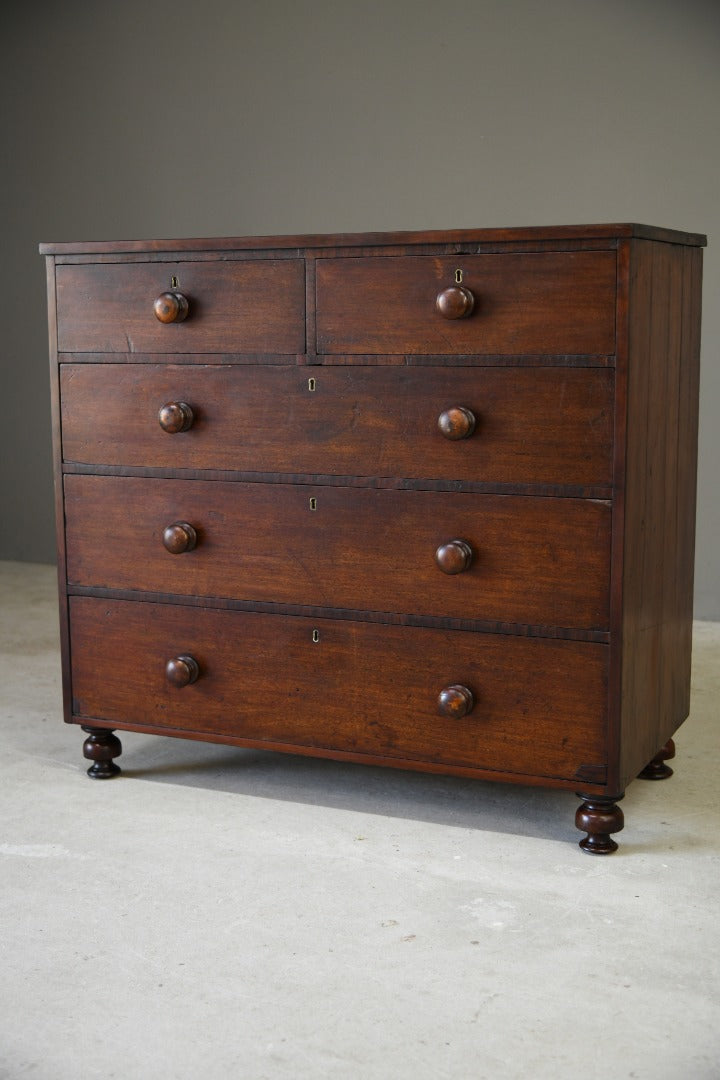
x: 352, y: 406
x: 599, y: 817
x: 536, y: 303
x: 363, y: 548
x: 182, y: 671
x: 455, y: 701
x: 657, y: 769
x: 179, y: 538
x: 100, y: 747
x: 103, y: 307
x: 454, y: 557
x: 264, y: 680
x: 455, y: 302
x: 565, y: 234
x: 456, y: 423
x: 541, y: 427
x: 657, y: 423
x: 171, y: 307
x: 175, y: 416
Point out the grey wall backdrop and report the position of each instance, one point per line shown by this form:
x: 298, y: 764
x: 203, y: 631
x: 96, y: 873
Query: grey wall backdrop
x: 146, y: 119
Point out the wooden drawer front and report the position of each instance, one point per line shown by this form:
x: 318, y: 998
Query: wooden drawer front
x: 234, y: 307
x: 533, y: 425
x: 552, y: 302
x: 535, y: 560
x: 361, y: 688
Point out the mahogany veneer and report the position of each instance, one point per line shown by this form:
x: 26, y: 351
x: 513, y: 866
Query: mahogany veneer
x: 424, y: 500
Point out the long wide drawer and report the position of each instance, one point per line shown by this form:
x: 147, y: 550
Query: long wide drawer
x: 536, y: 707
x: 544, y: 303
x: 541, y: 425
x: 531, y: 560
x: 233, y: 307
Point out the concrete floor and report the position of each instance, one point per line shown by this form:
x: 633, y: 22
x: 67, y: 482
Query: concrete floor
x: 221, y: 913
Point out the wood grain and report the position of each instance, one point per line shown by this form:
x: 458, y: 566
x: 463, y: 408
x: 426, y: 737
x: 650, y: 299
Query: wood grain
x: 535, y: 560
x: 368, y: 689
x: 285, y: 540
x: 659, y: 499
x: 244, y: 307
x: 505, y: 236
x: 537, y: 303
x: 534, y: 425
x: 56, y: 407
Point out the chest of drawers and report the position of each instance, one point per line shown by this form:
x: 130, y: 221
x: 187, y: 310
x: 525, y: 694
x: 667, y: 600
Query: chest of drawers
x: 423, y: 500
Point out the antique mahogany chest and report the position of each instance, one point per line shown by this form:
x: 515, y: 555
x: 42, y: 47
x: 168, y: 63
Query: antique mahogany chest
x: 424, y: 500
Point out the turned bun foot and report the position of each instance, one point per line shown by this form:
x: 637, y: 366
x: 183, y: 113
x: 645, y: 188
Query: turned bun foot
x: 100, y: 747
x: 599, y: 816
x: 657, y: 769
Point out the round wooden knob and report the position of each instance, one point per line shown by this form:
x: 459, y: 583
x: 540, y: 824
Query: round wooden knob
x: 455, y: 302
x: 182, y: 670
x: 455, y: 701
x: 171, y: 307
x: 454, y: 557
x: 179, y: 537
x: 175, y: 416
x: 456, y: 423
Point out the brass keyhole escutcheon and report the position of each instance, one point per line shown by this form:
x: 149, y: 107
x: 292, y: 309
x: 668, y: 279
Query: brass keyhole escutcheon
x: 316, y: 636
x: 174, y: 283
x: 458, y: 277
x: 313, y: 503
x: 311, y: 385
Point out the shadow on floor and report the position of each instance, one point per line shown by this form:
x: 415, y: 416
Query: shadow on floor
x: 444, y: 800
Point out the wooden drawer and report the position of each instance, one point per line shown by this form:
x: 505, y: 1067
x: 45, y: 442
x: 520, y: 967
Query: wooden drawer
x: 541, y: 561
x: 361, y: 688
x: 533, y: 425
x: 540, y: 303
x: 234, y: 307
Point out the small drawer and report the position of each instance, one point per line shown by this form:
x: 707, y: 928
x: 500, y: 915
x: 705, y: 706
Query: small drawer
x: 232, y: 307
x: 535, y: 707
x: 533, y: 303
x: 529, y: 560
x: 531, y: 425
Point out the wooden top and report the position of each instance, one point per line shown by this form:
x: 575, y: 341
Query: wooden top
x: 381, y: 239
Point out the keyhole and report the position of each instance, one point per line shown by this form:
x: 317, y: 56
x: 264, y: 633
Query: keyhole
x: 313, y: 504
x: 458, y: 277
x: 316, y: 636
x: 311, y: 385
x: 174, y: 282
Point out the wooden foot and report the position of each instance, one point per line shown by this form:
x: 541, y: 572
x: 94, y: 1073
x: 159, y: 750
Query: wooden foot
x: 599, y: 817
x: 100, y: 747
x: 657, y: 769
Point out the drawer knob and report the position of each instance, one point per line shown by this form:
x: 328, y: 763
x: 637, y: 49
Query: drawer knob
x: 454, y: 557
x: 175, y: 416
x: 455, y: 701
x: 456, y: 423
x: 455, y: 302
x: 182, y: 670
x: 179, y: 537
x: 171, y: 307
